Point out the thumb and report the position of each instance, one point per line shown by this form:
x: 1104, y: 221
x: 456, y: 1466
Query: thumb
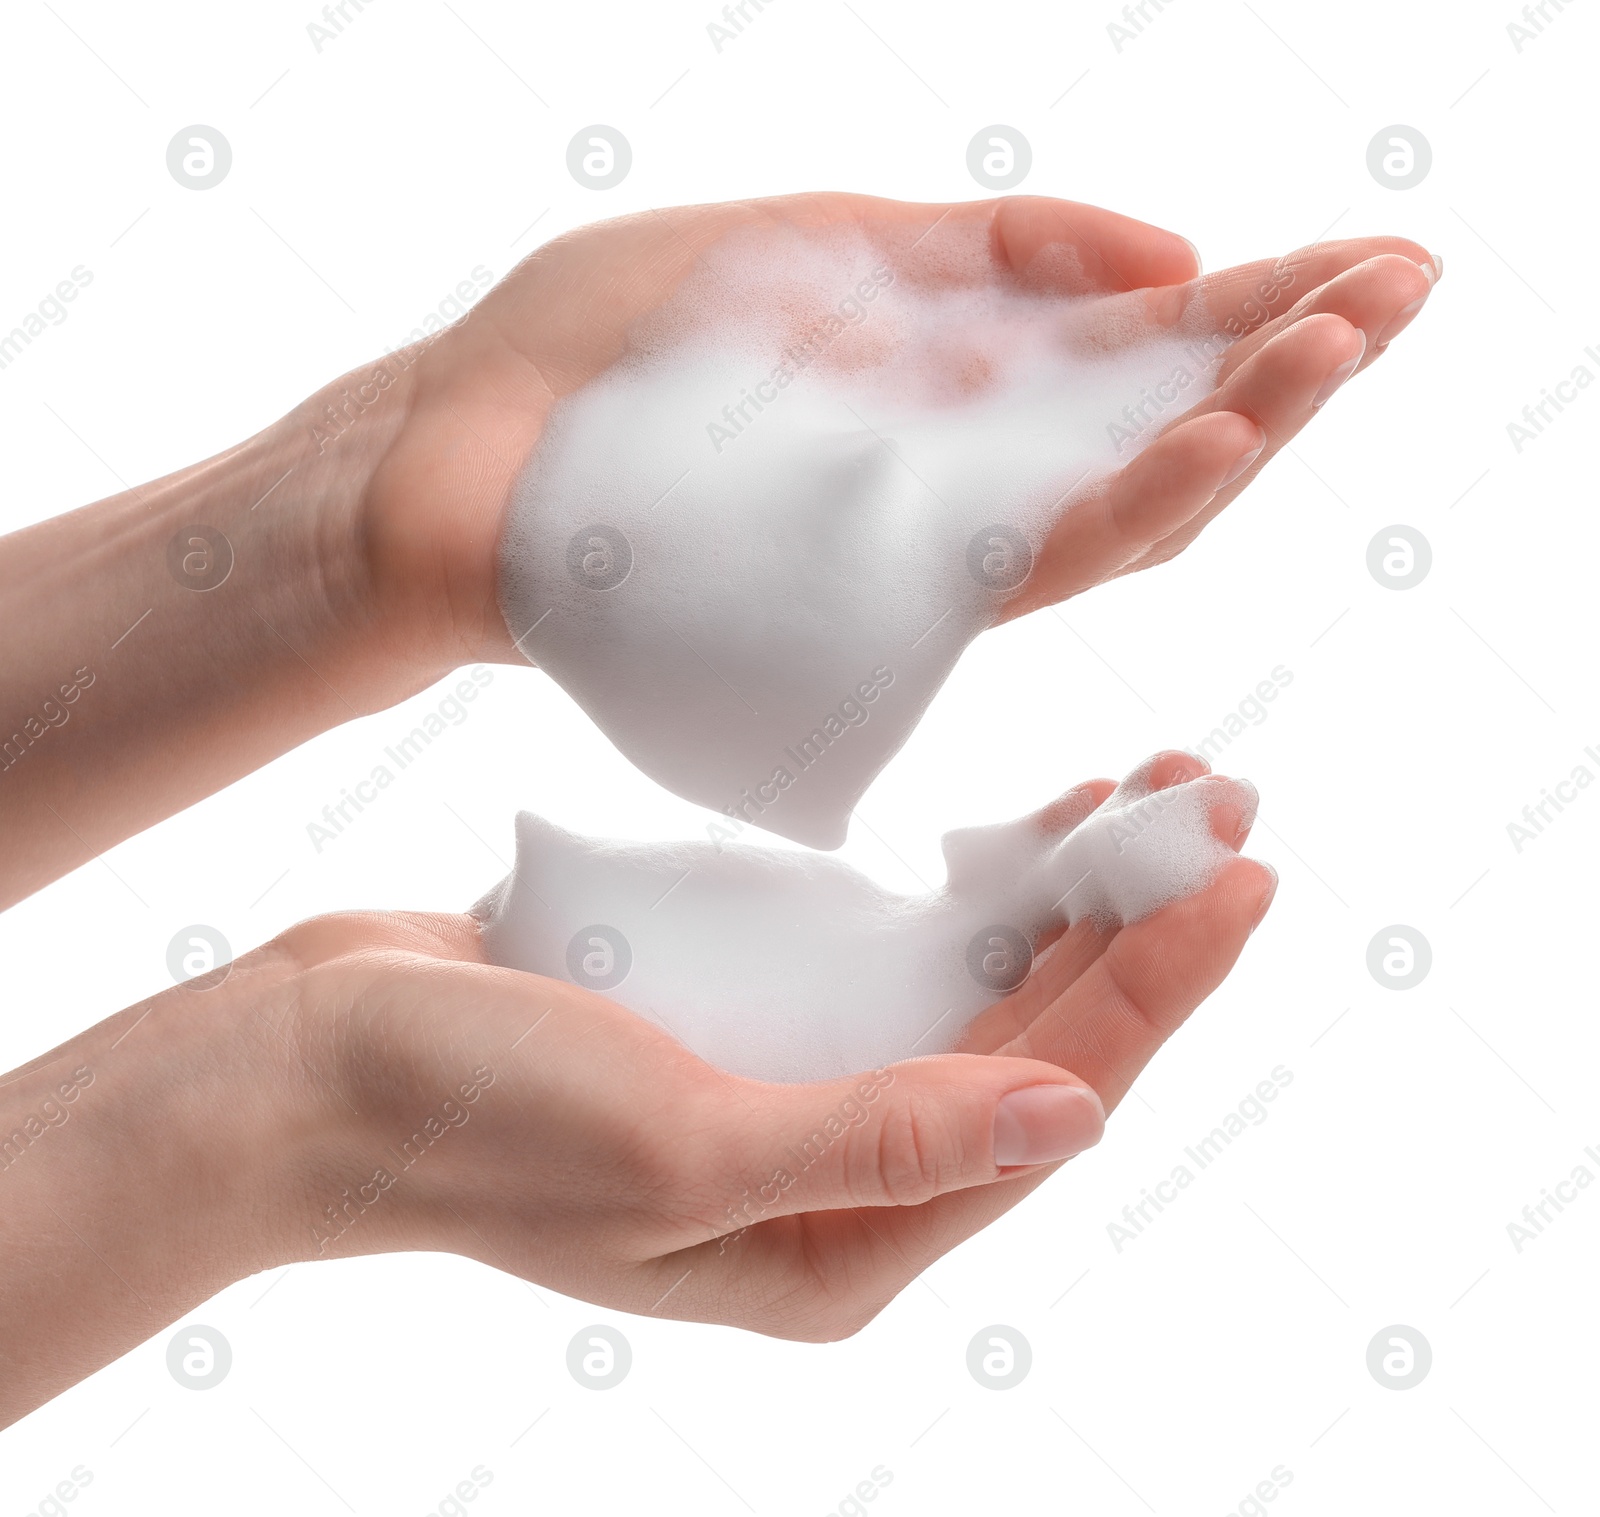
x: 901, y: 1135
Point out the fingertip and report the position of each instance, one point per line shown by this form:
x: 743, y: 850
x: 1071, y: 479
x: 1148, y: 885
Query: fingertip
x: 1175, y: 766
x: 1233, y: 813
x: 1338, y: 334
x: 1067, y: 811
x: 1269, y: 890
x: 1046, y: 1123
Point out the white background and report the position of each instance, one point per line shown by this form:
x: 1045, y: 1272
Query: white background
x: 1231, y: 1337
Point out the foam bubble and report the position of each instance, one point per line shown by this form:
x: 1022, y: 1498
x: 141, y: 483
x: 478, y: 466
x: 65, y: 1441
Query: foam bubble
x: 790, y: 966
x: 754, y: 548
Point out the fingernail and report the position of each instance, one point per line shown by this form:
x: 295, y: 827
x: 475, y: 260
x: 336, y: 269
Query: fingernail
x: 1402, y: 319
x: 1043, y: 1124
x: 1438, y: 266
x: 1338, y: 377
x: 1199, y: 267
x: 1242, y: 463
x: 1267, y: 900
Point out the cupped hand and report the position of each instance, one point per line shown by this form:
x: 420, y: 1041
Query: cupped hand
x: 1288, y: 331
x: 367, y: 1083
x: 579, y: 1146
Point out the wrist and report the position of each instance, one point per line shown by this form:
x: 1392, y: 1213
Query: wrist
x: 146, y: 1165
x: 222, y: 615
x: 457, y: 417
x: 369, y: 616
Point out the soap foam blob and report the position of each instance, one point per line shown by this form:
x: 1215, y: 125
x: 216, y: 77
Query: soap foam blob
x: 754, y: 547
x: 789, y: 966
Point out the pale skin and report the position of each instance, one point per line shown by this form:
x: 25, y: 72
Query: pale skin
x: 214, y: 1136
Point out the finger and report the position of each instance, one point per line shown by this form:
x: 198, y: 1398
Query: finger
x: 828, y: 1186
x: 1047, y: 995
x: 1382, y: 296
x: 1067, y: 811
x: 1231, y: 810
x: 1160, y: 490
x: 1063, y: 247
x: 1059, y: 247
x: 1110, y: 1021
x: 1280, y: 388
x: 1241, y: 299
x: 820, y: 1276
x: 897, y: 1136
x: 1066, y: 953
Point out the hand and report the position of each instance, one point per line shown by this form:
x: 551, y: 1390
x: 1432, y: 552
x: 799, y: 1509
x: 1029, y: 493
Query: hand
x: 1291, y: 329
x: 358, y: 533
x: 366, y: 1083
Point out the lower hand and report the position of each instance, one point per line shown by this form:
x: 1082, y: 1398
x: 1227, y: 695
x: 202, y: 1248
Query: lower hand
x: 366, y: 1083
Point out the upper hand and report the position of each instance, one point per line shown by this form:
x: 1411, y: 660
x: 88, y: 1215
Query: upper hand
x: 478, y: 396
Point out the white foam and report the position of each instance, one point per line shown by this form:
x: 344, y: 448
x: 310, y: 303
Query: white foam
x: 753, y: 549
x: 782, y: 965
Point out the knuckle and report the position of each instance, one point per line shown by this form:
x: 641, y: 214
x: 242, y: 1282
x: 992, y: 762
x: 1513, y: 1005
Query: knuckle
x: 912, y: 1156
x: 1133, y: 1003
